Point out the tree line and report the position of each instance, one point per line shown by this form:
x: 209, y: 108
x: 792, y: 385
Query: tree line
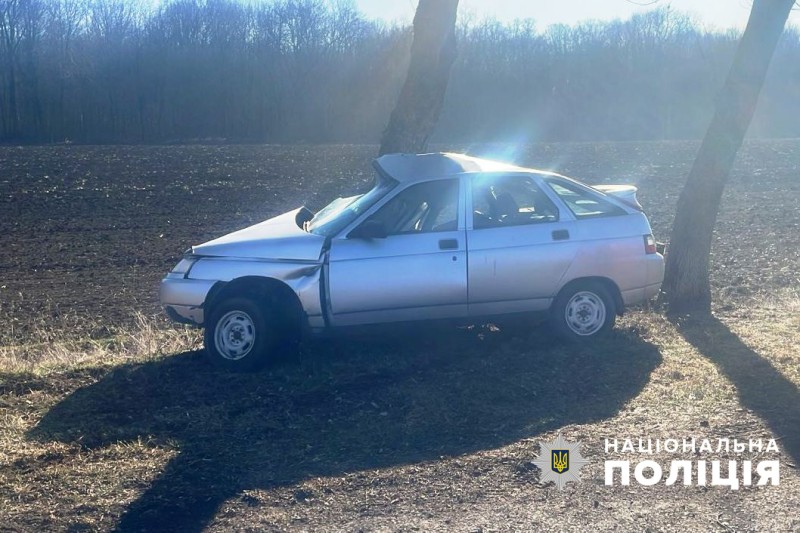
x: 100, y: 71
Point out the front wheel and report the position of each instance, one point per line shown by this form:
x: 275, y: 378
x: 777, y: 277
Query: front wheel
x: 240, y: 335
x: 583, y: 311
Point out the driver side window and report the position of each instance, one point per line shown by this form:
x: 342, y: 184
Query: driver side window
x: 425, y: 207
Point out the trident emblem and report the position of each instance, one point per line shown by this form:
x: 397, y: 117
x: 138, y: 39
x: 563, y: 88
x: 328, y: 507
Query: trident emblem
x: 559, y: 461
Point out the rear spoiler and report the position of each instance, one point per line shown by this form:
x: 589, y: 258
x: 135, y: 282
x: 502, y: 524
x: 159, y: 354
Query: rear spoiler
x: 624, y: 193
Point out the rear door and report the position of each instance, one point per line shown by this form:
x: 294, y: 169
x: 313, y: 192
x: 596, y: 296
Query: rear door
x: 417, y: 271
x: 520, y: 244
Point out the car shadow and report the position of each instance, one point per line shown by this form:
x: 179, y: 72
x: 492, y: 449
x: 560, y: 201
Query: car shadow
x: 351, y: 404
x: 760, y: 386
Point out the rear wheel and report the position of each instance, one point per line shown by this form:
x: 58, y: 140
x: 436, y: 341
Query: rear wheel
x: 240, y: 335
x: 583, y: 311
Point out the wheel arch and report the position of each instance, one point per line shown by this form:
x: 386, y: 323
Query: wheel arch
x: 607, y: 283
x: 263, y: 290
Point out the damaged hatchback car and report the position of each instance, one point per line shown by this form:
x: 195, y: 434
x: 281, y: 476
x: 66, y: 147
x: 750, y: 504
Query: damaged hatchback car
x: 438, y: 236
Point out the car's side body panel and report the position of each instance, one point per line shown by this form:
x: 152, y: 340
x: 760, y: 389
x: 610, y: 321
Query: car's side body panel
x: 517, y: 264
x: 398, y: 273
x: 612, y: 248
x: 187, y: 296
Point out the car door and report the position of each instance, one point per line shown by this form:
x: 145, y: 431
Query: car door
x: 520, y: 244
x: 412, y: 267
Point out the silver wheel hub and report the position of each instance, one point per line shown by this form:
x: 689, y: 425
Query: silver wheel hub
x: 585, y: 313
x: 234, y: 335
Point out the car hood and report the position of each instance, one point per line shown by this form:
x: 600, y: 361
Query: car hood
x: 279, y: 238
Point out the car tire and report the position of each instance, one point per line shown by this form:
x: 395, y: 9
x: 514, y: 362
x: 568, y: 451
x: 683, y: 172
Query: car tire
x: 583, y: 311
x: 240, y: 335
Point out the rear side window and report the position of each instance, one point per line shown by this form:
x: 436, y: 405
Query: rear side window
x: 584, y: 203
x: 501, y: 201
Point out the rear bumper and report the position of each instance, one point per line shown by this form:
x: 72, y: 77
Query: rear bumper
x: 641, y: 295
x: 183, y: 299
x: 655, y: 276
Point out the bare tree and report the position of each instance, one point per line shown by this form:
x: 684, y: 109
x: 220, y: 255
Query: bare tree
x: 686, y: 284
x: 63, y: 27
x: 21, y: 26
x: 319, y: 71
x: 10, y: 38
x: 433, y: 52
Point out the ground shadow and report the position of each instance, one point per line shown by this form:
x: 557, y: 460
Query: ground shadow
x: 352, y: 404
x: 760, y: 386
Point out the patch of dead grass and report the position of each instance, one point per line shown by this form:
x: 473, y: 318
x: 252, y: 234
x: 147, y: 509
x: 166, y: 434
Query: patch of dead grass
x: 51, y: 347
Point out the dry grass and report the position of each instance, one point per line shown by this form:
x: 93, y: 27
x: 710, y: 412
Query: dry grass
x: 52, y: 346
x: 379, y: 432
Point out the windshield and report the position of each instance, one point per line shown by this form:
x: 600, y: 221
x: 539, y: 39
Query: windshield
x: 334, y: 217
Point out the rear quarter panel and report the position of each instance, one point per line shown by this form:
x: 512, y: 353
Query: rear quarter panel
x: 612, y: 247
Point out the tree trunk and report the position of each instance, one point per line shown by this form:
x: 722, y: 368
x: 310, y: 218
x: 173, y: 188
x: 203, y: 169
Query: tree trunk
x: 686, y: 284
x: 13, y: 108
x: 432, y: 55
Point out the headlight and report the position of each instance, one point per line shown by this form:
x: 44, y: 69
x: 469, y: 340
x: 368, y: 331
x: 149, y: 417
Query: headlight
x: 185, y: 265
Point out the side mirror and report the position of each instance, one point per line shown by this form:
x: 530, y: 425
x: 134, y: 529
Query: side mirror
x: 371, y: 229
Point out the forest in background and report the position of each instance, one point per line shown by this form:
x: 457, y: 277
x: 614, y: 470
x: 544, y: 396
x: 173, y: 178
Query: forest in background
x: 113, y: 71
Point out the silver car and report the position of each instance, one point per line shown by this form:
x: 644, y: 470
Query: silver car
x: 438, y: 236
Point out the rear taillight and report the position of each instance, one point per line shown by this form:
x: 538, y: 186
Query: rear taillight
x: 650, y: 244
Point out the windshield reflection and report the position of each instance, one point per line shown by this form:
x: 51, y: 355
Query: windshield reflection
x: 338, y: 214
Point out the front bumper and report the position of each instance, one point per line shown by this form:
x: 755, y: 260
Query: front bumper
x: 192, y: 316
x: 183, y: 298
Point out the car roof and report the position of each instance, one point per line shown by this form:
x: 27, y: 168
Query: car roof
x: 440, y: 165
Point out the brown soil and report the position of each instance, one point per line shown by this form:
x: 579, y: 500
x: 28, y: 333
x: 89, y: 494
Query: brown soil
x: 87, y: 232
x: 398, y: 430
